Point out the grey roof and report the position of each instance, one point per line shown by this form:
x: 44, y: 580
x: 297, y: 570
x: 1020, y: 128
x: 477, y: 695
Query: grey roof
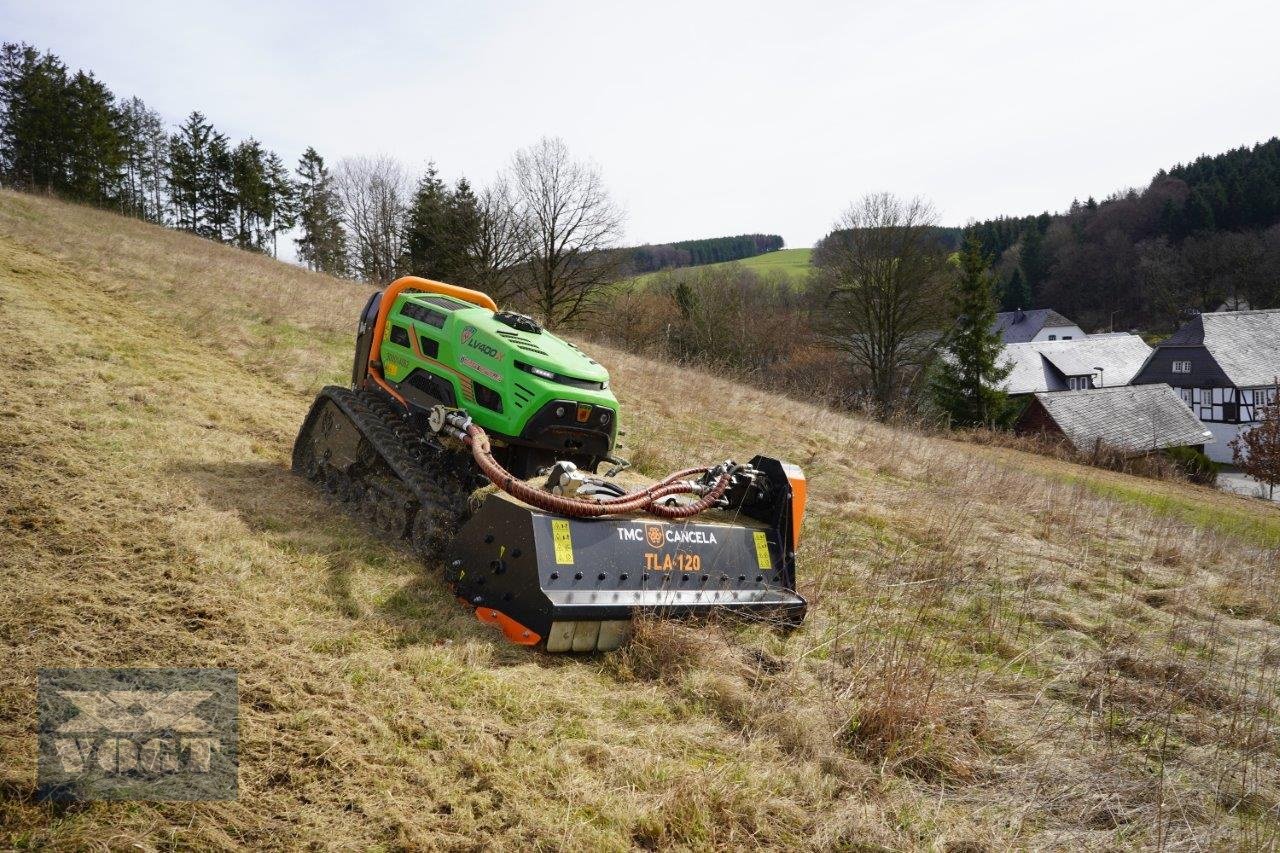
x: 1021, y: 326
x: 1133, y: 418
x: 1045, y: 365
x: 1246, y: 344
x: 1234, y: 303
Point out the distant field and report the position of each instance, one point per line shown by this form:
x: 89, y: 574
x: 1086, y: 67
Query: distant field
x: 793, y: 262
x: 790, y: 262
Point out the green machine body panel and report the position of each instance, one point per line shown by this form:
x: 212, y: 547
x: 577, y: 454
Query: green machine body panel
x: 519, y: 382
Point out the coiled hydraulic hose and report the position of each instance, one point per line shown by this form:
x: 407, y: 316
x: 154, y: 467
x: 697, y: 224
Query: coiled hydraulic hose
x: 645, y: 500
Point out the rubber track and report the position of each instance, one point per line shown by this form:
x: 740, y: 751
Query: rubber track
x: 438, y: 483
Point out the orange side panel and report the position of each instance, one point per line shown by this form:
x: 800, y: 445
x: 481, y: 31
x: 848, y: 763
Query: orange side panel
x: 799, y: 493
x: 515, y: 632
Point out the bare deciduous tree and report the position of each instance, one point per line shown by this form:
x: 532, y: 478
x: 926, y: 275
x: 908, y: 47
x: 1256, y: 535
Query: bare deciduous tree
x: 885, y: 275
x: 1257, y: 451
x: 495, y: 255
x: 570, y: 227
x: 373, y: 191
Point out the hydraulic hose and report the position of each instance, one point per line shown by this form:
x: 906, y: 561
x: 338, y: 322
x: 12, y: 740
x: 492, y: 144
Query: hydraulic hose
x: 645, y: 500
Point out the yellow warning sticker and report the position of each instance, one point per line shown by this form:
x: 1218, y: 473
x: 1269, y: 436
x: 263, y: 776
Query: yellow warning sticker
x: 762, y: 550
x: 563, y: 541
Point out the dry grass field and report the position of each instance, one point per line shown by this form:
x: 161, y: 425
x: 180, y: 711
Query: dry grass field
x: 1003, y: 650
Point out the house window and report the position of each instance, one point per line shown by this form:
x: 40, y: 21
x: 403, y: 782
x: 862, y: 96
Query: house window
x: 1079, y: 383
x: 1231, y: 412
x: 1246, y: 407
x: 1206, y: 404
x: 1066, y: 337
x: 1053, y: 337
x: 1182, y: 367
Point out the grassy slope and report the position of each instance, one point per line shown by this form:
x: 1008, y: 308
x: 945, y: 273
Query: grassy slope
x: 793, y: 263
x: 1002, y: 649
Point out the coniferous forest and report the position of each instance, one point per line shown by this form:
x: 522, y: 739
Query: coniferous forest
x: 1198, y: 236
x: 65, y: 132
x: 693, y: 253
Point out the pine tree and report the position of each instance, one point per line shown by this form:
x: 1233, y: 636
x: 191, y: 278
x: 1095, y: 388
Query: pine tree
x: 34, y: 119
x: 426, y: 243
x: 966, y: 382
x: 1197, y: 214
x: 250, y: 194
x: 461, y: 230
x: 188, y: 168
x: 686, y: 299
x: 1034, y: 263
x: 96, y: 146
x: 281, y: 211
x: 1016, y: 293
x: 144, y: 139
x: 322, y: 245
x: 219, y: 189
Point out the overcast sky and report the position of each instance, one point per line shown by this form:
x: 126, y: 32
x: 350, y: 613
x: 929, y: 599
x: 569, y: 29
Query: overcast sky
x: 709, y: 119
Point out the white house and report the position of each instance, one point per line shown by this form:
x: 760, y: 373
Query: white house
x: 1040, y: 324
x: 1076, y: 364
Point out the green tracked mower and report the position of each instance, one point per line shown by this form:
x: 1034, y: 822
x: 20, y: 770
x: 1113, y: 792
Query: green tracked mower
x: 477, y: 435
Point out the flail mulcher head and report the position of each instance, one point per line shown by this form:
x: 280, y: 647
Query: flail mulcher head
x: 475, y: 434
x: 570, y: 563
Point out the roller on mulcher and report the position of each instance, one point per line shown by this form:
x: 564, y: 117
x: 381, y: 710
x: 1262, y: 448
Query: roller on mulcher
x: 476, y: 434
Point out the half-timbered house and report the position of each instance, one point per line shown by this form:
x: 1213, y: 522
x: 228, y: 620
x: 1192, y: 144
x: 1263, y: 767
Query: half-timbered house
x: 1224, y: 365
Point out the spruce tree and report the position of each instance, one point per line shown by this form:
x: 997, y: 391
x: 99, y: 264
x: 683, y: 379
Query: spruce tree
x: 1016, y: 293
x: 96, y: 146
x: 1035, y: 262
x: 219, y: 189
x: 34, y: 119
x: 188, y: 170
x: 965, y: 384
x: 250, y: 194
x: 322, y: 244
x: 144, y: 138
x: 281, y: 210
x: 462, y: 229
x: 426, y: 243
